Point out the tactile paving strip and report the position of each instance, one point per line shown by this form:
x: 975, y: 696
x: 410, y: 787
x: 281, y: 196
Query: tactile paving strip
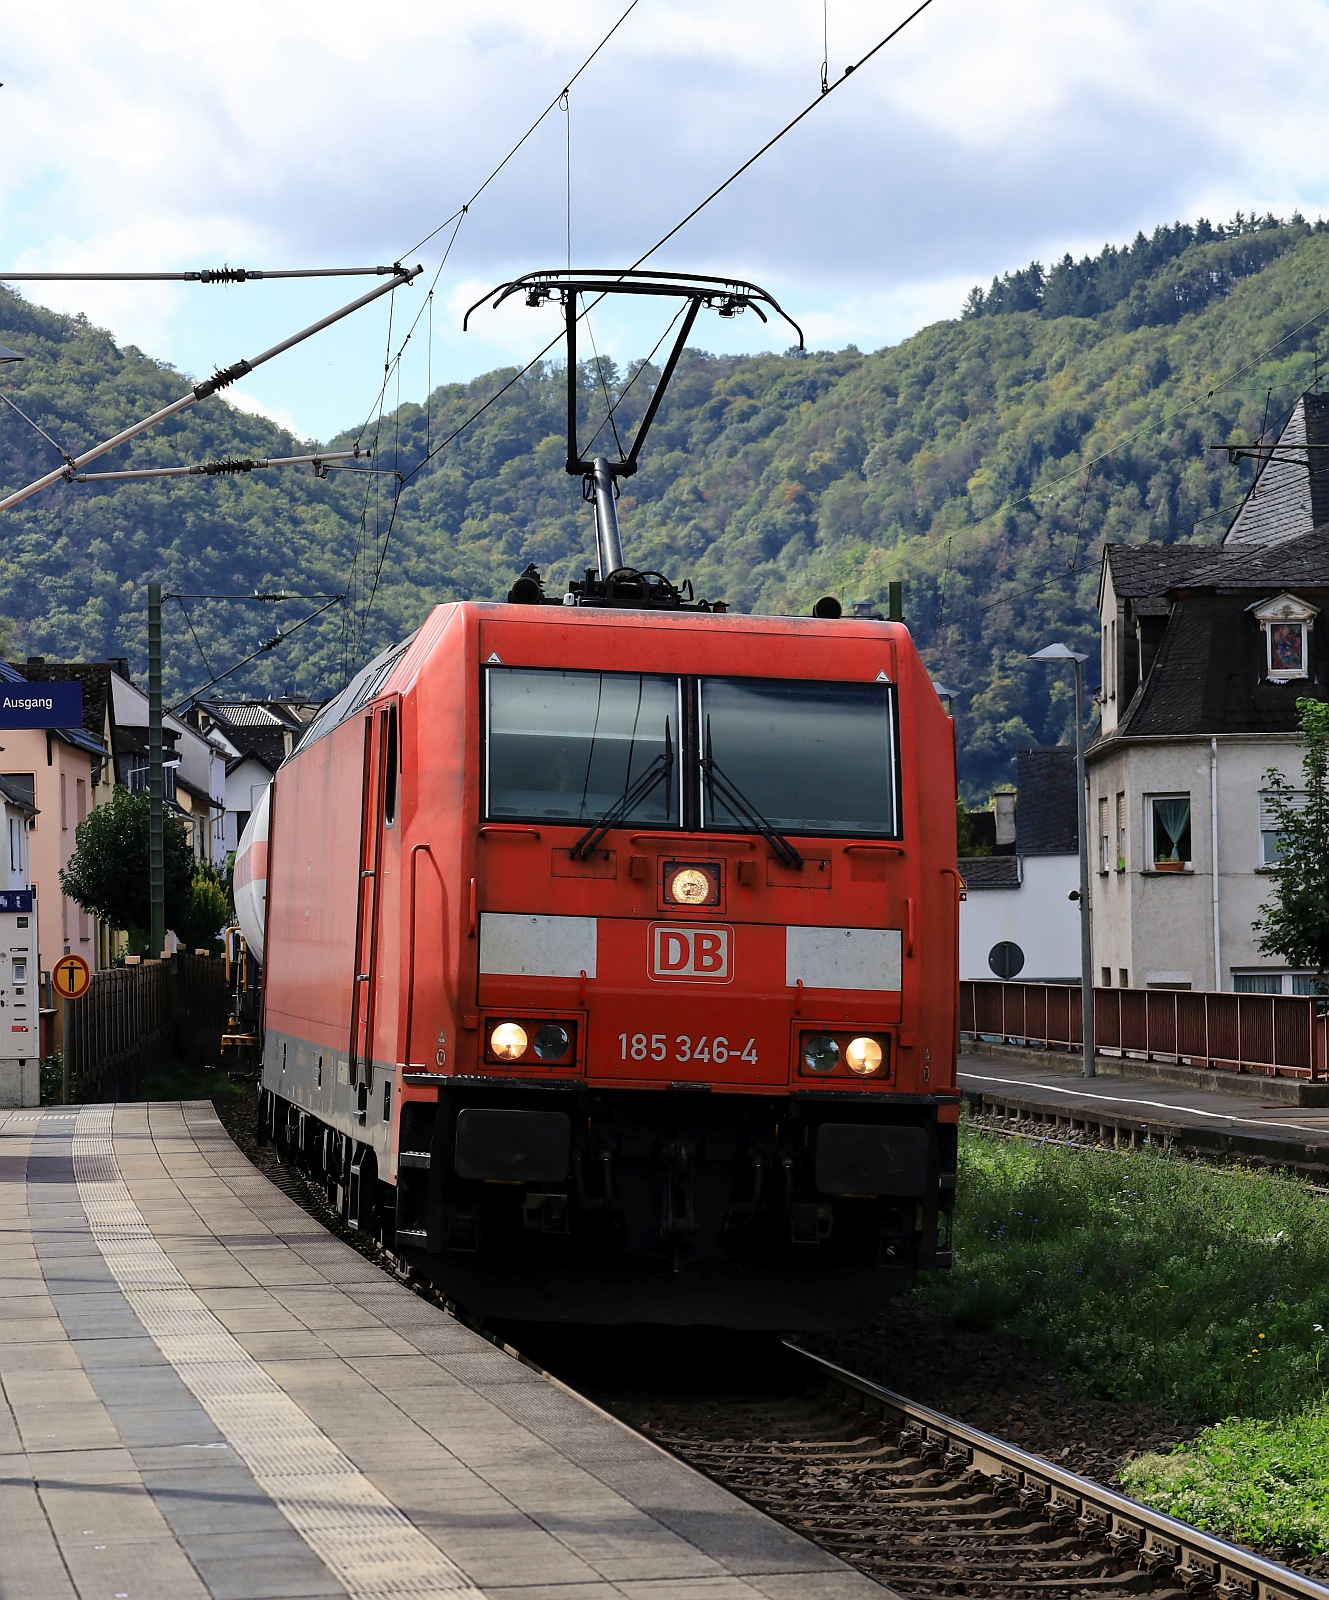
x: 373, y: 1549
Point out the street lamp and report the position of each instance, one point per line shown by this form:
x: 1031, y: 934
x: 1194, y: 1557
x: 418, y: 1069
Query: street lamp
x: 1057, y: 654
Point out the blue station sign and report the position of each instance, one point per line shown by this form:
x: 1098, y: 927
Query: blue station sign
x: 15, y: 900
x: 41, y: 705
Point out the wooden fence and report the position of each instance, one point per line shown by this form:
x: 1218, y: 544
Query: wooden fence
x: 1274, y: 1035
x: 132, y: 1018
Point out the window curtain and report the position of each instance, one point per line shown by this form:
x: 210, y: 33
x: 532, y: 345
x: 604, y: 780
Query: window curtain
x: 1170, y: 820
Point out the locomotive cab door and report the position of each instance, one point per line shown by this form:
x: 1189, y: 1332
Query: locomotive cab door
x: 378, y: 801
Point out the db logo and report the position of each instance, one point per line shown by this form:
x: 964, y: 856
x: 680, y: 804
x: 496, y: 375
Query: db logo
x: 692, y: 953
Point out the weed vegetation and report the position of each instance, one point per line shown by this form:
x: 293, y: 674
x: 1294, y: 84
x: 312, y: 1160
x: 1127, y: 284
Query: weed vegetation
x: 1201, y: 1291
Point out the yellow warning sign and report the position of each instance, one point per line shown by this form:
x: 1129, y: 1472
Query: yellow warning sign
x: 70, y: 977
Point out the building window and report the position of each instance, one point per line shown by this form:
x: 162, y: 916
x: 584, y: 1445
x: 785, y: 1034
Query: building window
x: 1107, y: 977
x: 1286, y: 621
x: 1170, y: 831
x: 64, y: 805
x: 1294, y: 983
x: 1257, y: 982
x: 1104, y: 839
x: 1121, y: 832
x: 1269, y: 847
x: 1287, y: 649
x: 1125, y: 977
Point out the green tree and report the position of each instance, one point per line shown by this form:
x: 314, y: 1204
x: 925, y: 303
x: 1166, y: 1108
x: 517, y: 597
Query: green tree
x: 1294, y: 923
x: 966, y: 844
x: 107, y: 874
x: 206, y: 911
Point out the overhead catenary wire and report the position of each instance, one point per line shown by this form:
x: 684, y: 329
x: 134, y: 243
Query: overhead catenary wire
x: 457, y: 217
x: 37, y: 427
x: 228, y: 467
x: 201, y: 391
x: 696, y: 210
x: 280, y: 637
x: 205, y: 275
x: 553, y: 105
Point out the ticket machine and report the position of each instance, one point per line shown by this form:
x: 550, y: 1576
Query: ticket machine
x: 20, y: 996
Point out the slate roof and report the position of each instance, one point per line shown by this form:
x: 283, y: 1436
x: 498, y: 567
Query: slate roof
x: 1209, y: 675
x: 1046, y: 820
x: 94, y: 677
x: 1291, y: 495
x: 79, y: 737
x: 990, y: 872
x: 16, y: 796
x: 267, y: 745
x: 1148, y: 571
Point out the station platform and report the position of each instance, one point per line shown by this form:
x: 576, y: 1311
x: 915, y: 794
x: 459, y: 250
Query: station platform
x: 1131, y: 1104
x: 204, y: 1394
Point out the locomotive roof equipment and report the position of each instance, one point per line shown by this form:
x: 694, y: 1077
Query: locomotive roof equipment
x: 616, y: 583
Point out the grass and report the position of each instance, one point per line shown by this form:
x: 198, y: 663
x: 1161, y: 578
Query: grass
x: 1202, y: 1291
x: 174, y: 1079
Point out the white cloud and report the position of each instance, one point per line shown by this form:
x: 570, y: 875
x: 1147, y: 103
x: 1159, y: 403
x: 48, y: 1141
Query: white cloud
x: 288, y: 133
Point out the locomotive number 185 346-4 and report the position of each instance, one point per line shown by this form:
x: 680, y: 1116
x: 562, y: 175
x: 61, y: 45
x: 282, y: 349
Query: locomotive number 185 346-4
x: 682, y: 1047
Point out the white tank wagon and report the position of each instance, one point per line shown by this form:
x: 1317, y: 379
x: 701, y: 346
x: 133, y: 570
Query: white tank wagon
x: 250, y: 877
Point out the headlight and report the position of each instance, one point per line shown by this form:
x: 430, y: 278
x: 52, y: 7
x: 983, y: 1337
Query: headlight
x: 508, y: 1041
x: 690, y: 886
x: 820, y: 1053
x: 551, y: 1041
x: 863, y: 1056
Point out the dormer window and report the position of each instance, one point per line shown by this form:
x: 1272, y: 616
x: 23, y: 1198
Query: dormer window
x: 1286, y: 622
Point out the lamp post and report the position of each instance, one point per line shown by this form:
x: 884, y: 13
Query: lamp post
x: 1058, y: 654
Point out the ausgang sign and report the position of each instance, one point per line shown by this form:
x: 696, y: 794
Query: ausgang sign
x: 41, y: 705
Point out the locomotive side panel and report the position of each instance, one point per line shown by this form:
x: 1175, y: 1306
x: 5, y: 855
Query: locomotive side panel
x: 435, y: 845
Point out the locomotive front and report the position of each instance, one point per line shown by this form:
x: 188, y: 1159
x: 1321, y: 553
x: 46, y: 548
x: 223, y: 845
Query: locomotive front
x: 703, y: 1068
x: 613, y: 939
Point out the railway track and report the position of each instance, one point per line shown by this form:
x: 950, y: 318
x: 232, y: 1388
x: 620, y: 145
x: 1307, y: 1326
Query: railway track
x: 924, y: 1503
x: 930, y: 1506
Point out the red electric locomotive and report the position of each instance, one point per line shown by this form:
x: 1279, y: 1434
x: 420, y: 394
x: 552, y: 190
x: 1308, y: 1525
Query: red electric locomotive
x: 610, y: 966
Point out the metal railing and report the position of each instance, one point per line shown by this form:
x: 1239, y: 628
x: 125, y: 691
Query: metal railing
x: 1284, y: 1036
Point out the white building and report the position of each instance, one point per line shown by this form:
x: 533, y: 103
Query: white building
x: 255, y: 737
x: 195, y: 775
x: 1206, y: 649
x: 1017, y: 919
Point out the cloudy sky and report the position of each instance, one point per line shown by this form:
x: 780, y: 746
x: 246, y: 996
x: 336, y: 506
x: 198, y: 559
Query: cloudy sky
x: 154, y: 135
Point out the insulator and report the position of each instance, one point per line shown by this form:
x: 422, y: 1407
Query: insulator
x: 224, y: 275
x: 221, y: 378
x: 215, y: 469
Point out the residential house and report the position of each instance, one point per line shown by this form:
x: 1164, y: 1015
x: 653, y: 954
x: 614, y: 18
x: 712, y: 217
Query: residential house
x: 1018, y: 918
x: 1205, y: 651
x: 18, y: 813
x: 194, y: 775
x: 257, y: 736
x: 57, y: 771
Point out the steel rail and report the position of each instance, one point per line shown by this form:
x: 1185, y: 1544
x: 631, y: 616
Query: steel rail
x: 1200, y: 1561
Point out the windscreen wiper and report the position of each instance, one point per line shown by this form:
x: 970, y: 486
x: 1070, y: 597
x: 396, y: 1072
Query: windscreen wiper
x: 632, y: 796
x: 741, y: 806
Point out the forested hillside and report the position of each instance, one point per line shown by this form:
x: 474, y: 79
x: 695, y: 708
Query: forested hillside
x: 982, y: 461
